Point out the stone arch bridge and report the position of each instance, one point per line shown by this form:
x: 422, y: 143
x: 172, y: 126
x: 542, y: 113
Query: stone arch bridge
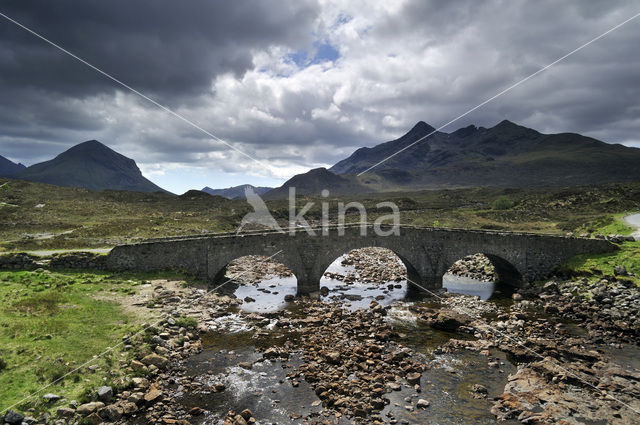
x: 426, y: 252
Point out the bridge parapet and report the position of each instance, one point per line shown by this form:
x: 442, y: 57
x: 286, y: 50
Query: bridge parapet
x: 426, y: 252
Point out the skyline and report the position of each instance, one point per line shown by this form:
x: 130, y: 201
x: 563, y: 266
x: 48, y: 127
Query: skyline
x: 303, y: 85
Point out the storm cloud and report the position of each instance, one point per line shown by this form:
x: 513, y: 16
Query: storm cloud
x: 300, y: 84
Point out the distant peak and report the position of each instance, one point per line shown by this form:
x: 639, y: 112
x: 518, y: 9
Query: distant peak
x: 319, y: 170
x: 88, y: 146
x: 91, y: 143
x: 465, y: 131
x: 422, y: 127
x: 507, y: 124
x: 511, y: 127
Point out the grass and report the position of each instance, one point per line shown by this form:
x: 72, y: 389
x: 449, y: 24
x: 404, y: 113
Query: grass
x: 44, y: 217
x: 52, y: 322
x: 613, y: 224
x: 600, y: 265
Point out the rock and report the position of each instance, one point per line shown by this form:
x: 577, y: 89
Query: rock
x: 239, y: 420
x: 152, y: 394
x: 449, y: 321
x: 136, y: 365
x: 105, y: 394
x: 13, y: 417
x: 129, y: 408
x: 620, y: 271
x: 246, y: 414
x: 550, y: 287
x: 51, y: 397
x: 288, y: 298
x: 88, y: 408
x: 94, y: 419
x: 141, y: 383
x: 332, y: 357
x: 196, y: 411
x: 516, y: 297
x: 422, y: 403
x: 413, y: 378
x: 271, y: 353
x: 156, y: 360
x: 65, y: 412
x: 249, y: 300
x: 110, y: 412
x: 477, y: 388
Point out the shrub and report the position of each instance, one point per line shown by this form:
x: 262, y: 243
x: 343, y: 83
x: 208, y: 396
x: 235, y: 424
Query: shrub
x: 502, y: 203
x: 187, y: 322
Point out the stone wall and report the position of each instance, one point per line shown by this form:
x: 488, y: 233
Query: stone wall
x: 18, y: 261
x: 78, y: 260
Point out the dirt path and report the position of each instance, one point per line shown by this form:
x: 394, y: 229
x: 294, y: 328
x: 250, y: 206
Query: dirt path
x: 45, y: 253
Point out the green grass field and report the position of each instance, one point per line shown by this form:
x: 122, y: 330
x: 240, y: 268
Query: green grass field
x: 597, y: 266
x: 35, y: 216
x: 52, y: 322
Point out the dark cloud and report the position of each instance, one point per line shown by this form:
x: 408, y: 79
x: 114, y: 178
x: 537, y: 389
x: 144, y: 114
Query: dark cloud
x: 231, y: 67
x: 168, y: 48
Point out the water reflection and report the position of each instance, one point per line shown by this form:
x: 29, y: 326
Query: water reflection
x: 358, y: 294
x: 267, y: 295
x: 468, y: 286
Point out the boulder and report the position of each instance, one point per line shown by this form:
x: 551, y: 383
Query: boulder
x: 111, y: 412
x: 449, y: 321
x: 156, y: 360
x: 89, y: 408
x: 13, y: 417
x: 105, y: 394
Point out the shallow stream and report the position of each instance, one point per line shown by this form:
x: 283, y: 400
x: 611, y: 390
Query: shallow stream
x: 230, y: 357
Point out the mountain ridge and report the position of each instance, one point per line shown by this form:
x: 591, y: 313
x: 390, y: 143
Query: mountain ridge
x: 236, y: 192
x: 505, y: 155
x: 9, y: 168
x: 90, y: 165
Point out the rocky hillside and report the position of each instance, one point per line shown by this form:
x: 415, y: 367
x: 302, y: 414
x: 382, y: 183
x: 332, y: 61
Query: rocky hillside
x: 90, y: 165
x: 314, y: 181
x: 507, y: 155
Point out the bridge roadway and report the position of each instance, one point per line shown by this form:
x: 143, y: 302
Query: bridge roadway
x: 427, y: 253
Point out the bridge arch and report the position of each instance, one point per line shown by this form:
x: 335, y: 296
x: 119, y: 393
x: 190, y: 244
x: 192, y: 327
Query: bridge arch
x: 506, y: 273
x: 340, y: 247
x: 381, y: 276
x: 251, y: 267
x: 426, y: 252
x: 262, y: 284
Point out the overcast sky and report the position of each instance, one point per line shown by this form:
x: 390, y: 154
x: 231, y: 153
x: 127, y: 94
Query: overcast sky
x: 302, y: 84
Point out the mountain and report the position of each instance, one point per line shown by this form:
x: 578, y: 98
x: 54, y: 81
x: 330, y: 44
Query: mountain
x: 507, y: 155
x: 314, y: 181
x: 90, y: 165
x: 236, y: 192
x: 9, y: 168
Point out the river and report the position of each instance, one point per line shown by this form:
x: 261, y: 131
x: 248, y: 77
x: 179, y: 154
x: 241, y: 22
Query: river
x: 263, y: 388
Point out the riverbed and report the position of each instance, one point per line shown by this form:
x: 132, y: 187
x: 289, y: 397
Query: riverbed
x: 232, y: 357
x: 369, y: 351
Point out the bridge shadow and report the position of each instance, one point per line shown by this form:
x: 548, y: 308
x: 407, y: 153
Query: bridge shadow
x: 483, y: 275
